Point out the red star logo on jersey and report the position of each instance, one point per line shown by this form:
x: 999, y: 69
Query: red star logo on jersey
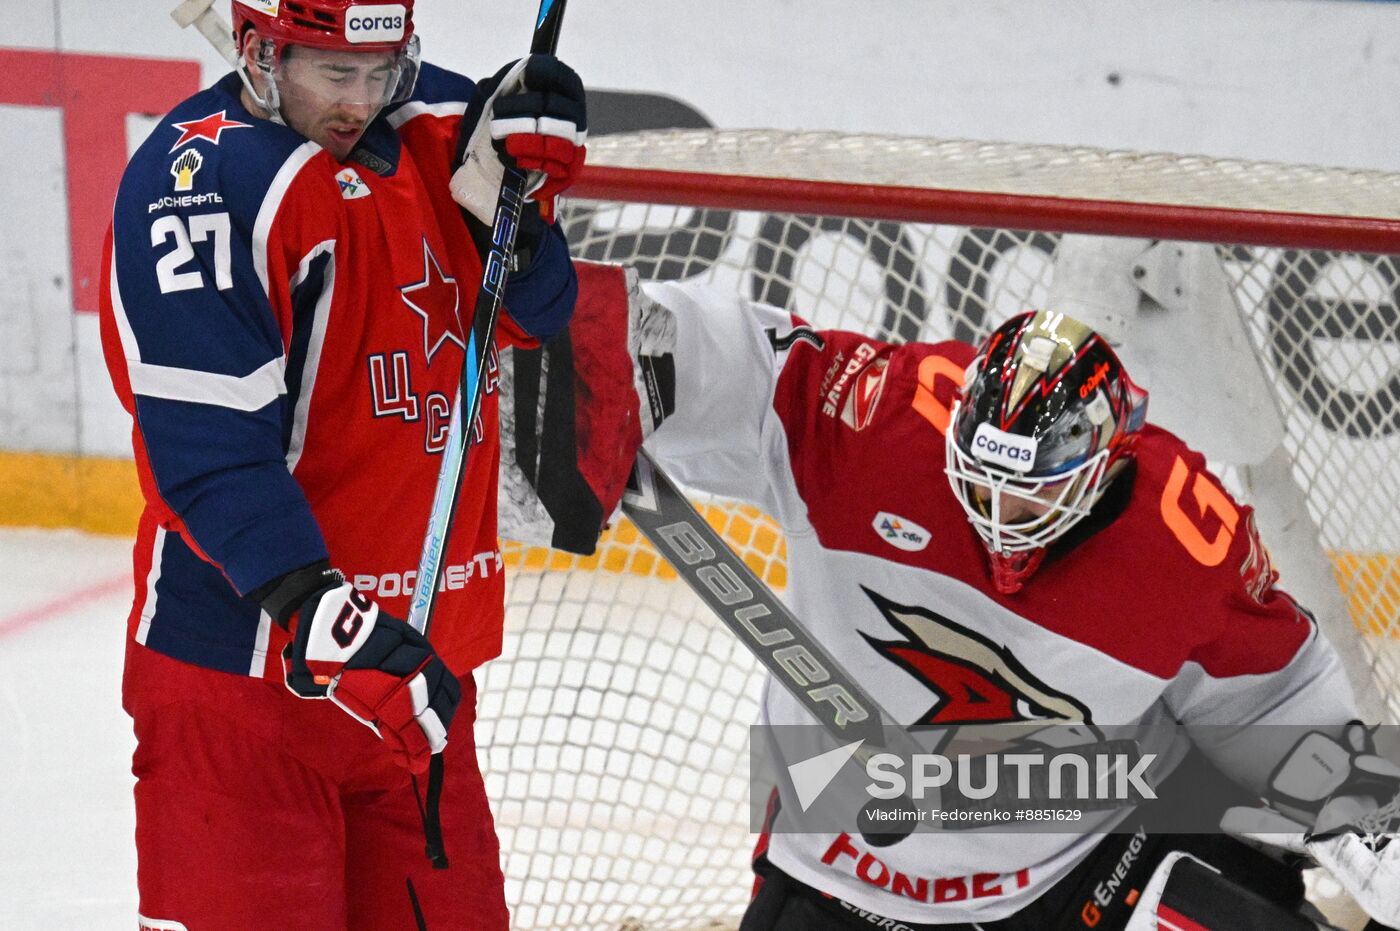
x: 210, y: 127
x: 435, y: 300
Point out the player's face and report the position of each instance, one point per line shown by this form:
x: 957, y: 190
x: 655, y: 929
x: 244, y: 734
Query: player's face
x: 330, y: 96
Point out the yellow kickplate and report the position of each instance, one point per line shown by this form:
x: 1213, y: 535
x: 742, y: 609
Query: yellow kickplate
x: 47, y: 490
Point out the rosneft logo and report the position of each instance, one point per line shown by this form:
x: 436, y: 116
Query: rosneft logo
x: 186, y: 166
x: 381, y: 22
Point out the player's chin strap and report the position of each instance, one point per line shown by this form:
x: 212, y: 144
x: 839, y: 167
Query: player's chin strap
x: 272, y: 106
x: 201, y: 15
x: 431, y: 813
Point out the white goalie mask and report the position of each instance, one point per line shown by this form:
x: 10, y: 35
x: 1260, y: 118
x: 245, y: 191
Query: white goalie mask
x: 1045, y: 414
x: 1014, y: 511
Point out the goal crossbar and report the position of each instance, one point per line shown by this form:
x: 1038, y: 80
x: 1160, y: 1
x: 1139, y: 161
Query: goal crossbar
x: 1158, y: 196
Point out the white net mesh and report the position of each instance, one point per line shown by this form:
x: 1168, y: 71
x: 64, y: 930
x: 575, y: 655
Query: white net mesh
x: 614, y: 728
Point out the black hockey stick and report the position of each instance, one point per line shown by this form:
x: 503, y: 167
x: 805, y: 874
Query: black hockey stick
x: 761, y: 621
x: 480, y: 344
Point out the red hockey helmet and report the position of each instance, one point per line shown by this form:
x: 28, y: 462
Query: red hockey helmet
x: 1046, y: 414
x: 350, y: 25
x: 336, y: 25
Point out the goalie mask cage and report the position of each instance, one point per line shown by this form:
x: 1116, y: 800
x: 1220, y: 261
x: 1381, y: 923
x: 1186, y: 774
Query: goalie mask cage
x: 1258, y: 302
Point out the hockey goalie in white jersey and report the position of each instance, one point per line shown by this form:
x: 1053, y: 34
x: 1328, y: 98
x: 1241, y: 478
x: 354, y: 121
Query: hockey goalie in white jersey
x: 997, y: 534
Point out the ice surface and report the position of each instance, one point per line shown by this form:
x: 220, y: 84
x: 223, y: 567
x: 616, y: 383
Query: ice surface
x: 67, y: 858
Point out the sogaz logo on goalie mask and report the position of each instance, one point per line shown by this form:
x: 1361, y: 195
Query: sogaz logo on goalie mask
x: 1008, y: 450
x: 377, y: 23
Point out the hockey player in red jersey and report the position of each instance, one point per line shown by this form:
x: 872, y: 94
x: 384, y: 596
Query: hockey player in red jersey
x: 995, y: 535
x: 287, y: 277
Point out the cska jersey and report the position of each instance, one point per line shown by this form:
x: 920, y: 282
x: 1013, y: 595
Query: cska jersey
x: 1167, y: 611
x: 286, y: 332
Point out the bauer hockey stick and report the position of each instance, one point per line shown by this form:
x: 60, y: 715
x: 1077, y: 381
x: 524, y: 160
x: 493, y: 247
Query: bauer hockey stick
x: 466, y: 407
x: 762, y: 622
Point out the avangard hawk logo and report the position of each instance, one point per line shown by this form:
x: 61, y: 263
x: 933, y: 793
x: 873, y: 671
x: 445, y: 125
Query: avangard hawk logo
x: 974, y: 680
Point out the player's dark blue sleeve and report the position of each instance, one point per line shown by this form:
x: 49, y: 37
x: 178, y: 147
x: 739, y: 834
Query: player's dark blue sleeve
x: 205, y: 360
x: 541, y: 298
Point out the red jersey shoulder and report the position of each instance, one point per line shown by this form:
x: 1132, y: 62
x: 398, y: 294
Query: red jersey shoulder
x: 306, y: 208
x: 1198, y: 522
x: 429, y: 122
x: 1206, y: 550
x: 939, y: 371
x: 855, y: 381
x: 865, y: 423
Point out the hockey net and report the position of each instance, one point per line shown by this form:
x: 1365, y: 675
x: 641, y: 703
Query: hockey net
x: 613, y: 730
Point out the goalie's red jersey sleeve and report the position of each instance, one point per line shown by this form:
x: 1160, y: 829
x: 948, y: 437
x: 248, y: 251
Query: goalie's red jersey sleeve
x: 1257, y: 657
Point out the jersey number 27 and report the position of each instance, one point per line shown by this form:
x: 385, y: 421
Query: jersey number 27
x: 171, y: 271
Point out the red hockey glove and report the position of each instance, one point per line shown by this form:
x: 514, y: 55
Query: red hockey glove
x: 375, y: 667
x: 544, y: 127
x: 534, y: 114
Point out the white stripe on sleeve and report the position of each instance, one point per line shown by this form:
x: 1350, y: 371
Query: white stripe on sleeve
x: 249, y: 392
x: 416, y: 108
x: 320, y: 318
x: 272, y: 203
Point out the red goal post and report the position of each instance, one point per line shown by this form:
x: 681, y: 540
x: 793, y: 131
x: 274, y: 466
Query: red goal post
x: 1261, y: 300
